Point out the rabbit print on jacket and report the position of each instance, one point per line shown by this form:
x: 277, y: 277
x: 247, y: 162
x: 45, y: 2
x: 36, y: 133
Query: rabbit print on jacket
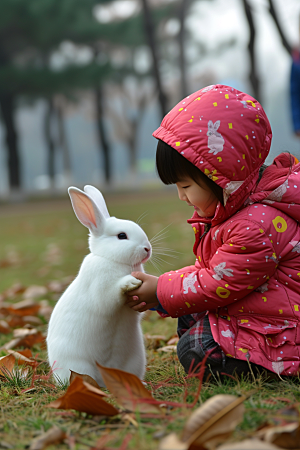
x: 91, y: 322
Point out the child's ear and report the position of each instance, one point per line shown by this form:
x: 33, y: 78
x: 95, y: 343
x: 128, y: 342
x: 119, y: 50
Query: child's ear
x: 87, y: 211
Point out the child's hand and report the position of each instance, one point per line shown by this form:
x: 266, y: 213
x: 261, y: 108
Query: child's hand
x: 144, y: 297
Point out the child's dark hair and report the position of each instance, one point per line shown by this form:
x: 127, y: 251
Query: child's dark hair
x: 172, y: 167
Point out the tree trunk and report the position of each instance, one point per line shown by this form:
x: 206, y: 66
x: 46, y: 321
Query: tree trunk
x: 275, y: 18
x: 102, y: 134
x: 63, y: 141
x: 149, y: 30
x: 11, y: 138
x: 181, y: 40
x: 253, y: 76
x: 133, y: 149
x: 48, y: 120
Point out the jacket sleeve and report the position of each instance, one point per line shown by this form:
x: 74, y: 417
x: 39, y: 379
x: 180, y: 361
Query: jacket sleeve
x: 244, y: 261
x: 160, y: 309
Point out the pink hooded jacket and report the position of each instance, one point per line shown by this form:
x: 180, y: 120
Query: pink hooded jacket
x: 247, y: 270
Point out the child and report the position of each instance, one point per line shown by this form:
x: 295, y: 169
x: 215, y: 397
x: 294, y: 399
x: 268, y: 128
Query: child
x: 239, y: 304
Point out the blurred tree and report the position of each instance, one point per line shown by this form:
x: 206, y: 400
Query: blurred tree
x: 31, y: 34
x: 274, y: 15
x: 182, y: 13
x: 149, y: 31
x: 253, y: 75
x: 129, y: 100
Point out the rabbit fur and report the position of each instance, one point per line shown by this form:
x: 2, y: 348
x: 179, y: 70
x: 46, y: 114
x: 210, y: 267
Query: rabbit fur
x: 90, y: 321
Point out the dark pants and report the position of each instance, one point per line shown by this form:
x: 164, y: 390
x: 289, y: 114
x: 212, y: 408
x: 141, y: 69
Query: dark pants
x: 196, y: 342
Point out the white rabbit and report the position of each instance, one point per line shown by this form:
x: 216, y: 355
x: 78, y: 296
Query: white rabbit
x: 91, y: 322
x: 215, y: 139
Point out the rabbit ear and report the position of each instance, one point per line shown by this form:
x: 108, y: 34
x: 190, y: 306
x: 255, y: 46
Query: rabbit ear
x: 210, y: 124
x: 98, y: 199
x: 216, y: 125
x: 87, y: 211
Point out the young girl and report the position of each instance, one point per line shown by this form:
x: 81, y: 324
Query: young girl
x: 239, y: 304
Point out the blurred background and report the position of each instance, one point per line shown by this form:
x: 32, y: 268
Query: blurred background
x: 84, y: 83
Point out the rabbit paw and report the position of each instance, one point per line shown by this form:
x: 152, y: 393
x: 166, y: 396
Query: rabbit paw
x: 129, y: 283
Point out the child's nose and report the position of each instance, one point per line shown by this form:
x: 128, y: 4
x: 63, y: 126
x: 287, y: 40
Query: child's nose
x: 181, y: 194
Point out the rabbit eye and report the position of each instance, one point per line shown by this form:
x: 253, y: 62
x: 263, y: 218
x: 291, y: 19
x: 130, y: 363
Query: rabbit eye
x: 122, y: 236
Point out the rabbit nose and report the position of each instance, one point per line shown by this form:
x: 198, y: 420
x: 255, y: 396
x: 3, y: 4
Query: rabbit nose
x: 147, y: 249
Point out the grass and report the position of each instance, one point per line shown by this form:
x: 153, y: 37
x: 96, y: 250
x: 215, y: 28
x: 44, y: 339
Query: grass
x: 44, y: 243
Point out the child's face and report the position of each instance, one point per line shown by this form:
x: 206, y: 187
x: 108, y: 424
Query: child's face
x: 201, y: 198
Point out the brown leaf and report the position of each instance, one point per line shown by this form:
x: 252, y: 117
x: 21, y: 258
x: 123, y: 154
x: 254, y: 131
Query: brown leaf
x: 15, y: 321
x: 81, y: 396
x: 285, y: 436
x: 209, y: 424
x: 129, y: 390
x: 88, y: 379
x: 248, y: 444
x: 14, y: 290
x: 22, y: 359
x: 25, y: 352
x: 7, y: 363
x: 24, y: 308
x: 24, y: 337
x: 29, y: 337
x: 4, y: 327
x: 53, y: 436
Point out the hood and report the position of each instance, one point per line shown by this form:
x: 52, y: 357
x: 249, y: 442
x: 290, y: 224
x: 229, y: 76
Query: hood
x: 280, y: 186
x: 226, y: 134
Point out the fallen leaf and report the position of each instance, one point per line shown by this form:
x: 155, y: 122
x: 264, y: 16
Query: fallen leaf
x: 53, y: 436
x: 209, y: 425
x: 32, y: 320
x: 15, y: 321
x: 24, y: 308
x: 7, y: 363
x: 56, y: 286
x: 172, y: 442
x: 168, y: 349
x: 24, y: 337
x: 81, y: 396
x: 29, y: 336
x: 173, y: 340
x: 286, y: 436
x: 14, y: 290
x: 22, y: 359
x: 86, y: 378
x: 25, y: 352
x: 35, y: 291
x: 3, y: 308
x: 154, y: 340
x: 129, y: 390
x: 248, y: 444
x: 4, y: 327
